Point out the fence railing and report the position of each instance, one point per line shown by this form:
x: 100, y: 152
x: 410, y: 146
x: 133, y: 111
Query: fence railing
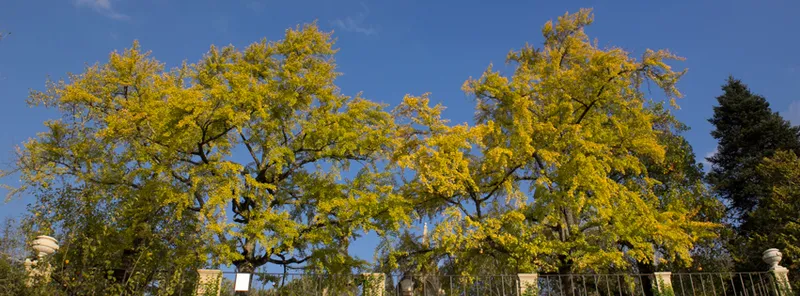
x: 678, y: 284
x: 594, y: 284
x: 387, y: 285
x: 728, y: 283
x: 434, y: 285
x: 300, y: 284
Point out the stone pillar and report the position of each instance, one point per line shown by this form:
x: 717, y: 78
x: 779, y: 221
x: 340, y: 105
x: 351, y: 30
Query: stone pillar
x: 663, y: 283
x: 781, y: 277
x: 373, y: 284
x: 528, y: 284
x: 780, y: 274
x: 209, y: 282
x: 30, y: 273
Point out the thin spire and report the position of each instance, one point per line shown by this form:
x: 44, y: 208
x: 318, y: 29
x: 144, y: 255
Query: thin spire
x: 425, y: 234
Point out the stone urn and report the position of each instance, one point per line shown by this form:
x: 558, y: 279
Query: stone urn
x: 45, y: 245
x: 772, y: 257
x: 406, y: 287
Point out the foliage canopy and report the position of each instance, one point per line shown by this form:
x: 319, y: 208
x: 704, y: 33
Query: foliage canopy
x: 747, y: 131
x: 559, y: 171
x: 252, y: 145
x: 254, y: 157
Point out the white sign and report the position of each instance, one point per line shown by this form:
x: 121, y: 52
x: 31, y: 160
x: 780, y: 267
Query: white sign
x: 242, y: 282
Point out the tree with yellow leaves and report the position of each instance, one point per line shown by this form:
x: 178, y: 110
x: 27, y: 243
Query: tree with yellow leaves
x: 254, y: 144
x: 558, y: 172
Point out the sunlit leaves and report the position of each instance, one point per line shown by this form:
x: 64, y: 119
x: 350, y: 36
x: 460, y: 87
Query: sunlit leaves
x: 554, y: 175
x: 256, y: 144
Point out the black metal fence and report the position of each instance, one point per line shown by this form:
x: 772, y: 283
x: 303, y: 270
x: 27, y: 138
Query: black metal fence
x: 434, y: 285
x: 694, y: 284
x: 734, y: 284
x: 366, y: 285
x: 595, y: 284
x: 682, y: 284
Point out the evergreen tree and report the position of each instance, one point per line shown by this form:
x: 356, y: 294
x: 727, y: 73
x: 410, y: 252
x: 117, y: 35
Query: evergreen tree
x: 748, y: 131
x: 776, y: 216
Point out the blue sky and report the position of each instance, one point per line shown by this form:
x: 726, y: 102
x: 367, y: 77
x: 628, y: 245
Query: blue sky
x: 394, y: 47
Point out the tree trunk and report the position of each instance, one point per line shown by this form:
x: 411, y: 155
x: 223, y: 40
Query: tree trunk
x: 645, y: 273
x: 565, y: 274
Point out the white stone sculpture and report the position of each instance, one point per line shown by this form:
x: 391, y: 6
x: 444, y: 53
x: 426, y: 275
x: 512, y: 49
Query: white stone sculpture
x: 44, y: 246
x: 773, y: 257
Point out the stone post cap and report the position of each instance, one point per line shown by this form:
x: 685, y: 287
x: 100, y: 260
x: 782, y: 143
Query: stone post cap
x: 527, y: 275
x: 209, y: 271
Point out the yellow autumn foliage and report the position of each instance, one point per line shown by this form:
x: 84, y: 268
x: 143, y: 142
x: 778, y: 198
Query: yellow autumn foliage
x: 553, y: 175
x: 252, y: 142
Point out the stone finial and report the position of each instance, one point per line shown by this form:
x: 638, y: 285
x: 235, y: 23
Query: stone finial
x: 36, y: 272
x: 773, y: 258
x: 45, y: 246
x: 780, y: 274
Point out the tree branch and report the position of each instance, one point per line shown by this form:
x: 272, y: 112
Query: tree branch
x: 500, y: 182
x: 250, y: 149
